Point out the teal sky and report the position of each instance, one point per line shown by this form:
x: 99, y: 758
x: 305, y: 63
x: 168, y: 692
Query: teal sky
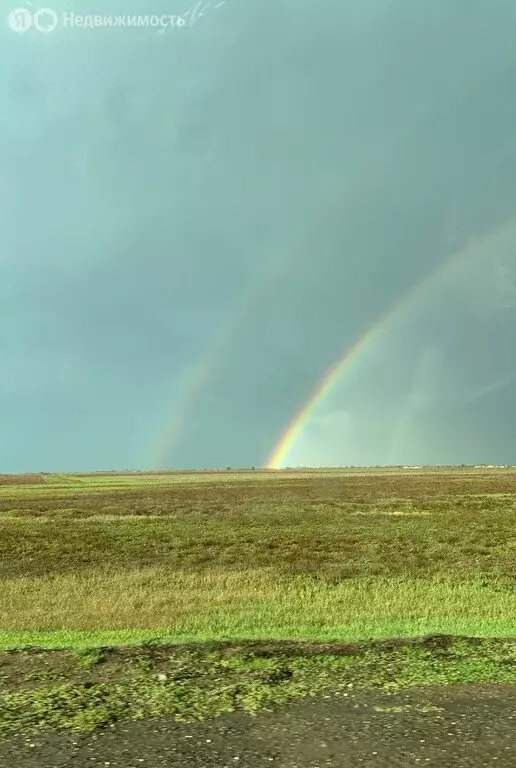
x: 244, y: 196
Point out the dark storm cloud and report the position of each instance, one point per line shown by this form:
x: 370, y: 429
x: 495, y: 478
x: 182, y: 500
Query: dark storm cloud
x: 150, y: 180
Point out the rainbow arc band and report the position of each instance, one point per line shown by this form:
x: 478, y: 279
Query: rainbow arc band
x: 279, y: 455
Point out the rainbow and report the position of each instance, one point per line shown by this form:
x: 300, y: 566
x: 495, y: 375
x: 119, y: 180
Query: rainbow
x: 273, y: 267
x: 349, y: 192
x: 278, y: 457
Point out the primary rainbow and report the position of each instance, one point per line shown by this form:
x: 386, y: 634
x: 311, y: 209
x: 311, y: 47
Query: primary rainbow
x: 324, y: 387
x: 283, y: 447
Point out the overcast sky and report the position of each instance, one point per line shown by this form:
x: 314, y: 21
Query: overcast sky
x: 197, y: 222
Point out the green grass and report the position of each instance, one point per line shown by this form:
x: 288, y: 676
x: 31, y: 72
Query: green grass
x: 89, y: 562
x: 356, y: 556
x: 193, y: 685
x: 250, y: 604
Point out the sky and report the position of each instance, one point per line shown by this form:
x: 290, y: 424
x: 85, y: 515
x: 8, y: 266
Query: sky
x: 199, y: 221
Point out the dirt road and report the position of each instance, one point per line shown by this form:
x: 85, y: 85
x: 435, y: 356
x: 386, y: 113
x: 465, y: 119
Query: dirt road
x: 439, y: 726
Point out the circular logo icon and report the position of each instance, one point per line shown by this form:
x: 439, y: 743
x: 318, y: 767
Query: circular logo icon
x: 45, y: 20
x: 20, y: 19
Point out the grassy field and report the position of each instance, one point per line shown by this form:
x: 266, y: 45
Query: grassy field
x: 95, y: 561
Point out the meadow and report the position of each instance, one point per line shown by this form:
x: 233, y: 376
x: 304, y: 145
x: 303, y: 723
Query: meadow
x: 208, y: 561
